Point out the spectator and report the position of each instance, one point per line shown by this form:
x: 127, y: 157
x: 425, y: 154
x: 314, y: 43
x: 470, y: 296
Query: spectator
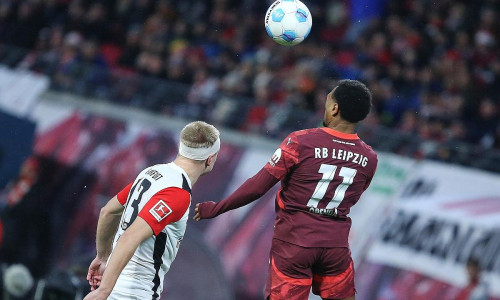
x: 439, y: 66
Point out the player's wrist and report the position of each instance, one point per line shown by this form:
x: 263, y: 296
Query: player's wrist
x: 206, y: 210
x: 102, y: 257
x: 104, y: 291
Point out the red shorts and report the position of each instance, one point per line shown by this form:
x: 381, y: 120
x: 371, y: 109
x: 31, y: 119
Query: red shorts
x: 293, y: 270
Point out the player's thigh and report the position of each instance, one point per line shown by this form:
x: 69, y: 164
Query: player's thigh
x: 290, y: 272
x: 334, y: 274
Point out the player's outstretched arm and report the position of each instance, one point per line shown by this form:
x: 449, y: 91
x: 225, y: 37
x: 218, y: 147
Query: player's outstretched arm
x: 125, y: 248
x: 109, y: 218
x: 249, y: 191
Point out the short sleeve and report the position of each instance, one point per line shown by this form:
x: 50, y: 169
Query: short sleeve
x: 123, y: 194
x: 373, y: 174
x: 284, y: 158
x: 165, y: 207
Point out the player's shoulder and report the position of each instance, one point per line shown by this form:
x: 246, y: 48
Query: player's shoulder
x: 295, y: 139
x: 305, y: 131
x: 165, y: 172
x: 303, y: 135
x: 160, y: 168
x: 368, y: 149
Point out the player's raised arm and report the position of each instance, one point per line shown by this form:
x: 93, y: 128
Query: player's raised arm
x: 251, y: 190
x: 282, y: 161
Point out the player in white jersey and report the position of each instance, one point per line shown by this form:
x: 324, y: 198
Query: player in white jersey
x: 148, y: 219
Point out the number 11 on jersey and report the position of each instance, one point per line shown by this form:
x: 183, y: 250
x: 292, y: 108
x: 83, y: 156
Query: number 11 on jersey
x: 328, y: 172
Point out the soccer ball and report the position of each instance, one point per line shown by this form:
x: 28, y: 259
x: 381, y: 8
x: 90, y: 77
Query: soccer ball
x: 288, y: 22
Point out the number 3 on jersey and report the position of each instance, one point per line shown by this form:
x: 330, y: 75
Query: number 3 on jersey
x: 328, y: 172
x: 135, y: 198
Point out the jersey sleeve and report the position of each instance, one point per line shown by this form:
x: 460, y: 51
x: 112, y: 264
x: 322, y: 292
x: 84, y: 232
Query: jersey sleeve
x: 123, y: 194
x: 373, y: 174
x: 166, y: 206
x: 249, y: 191
x: 284, y: 158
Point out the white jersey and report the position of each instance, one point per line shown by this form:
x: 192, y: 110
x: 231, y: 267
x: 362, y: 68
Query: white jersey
x: 156, y: 196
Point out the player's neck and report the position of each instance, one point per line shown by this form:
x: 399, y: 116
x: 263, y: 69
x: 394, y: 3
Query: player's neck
x: 193, y: 170
x: 342, y: 126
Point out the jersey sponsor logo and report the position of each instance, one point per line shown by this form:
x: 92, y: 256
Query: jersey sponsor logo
x: 324, y: 211
x: 275, y: 158
x: 160, y: 211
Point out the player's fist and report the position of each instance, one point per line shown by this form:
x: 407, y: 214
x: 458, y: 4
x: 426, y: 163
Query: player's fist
x: 205, y: 210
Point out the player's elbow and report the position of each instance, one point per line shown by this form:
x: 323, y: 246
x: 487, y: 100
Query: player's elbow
x: 106, y: 212
x: 112, y: 209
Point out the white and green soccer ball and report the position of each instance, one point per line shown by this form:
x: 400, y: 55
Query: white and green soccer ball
x: 288, y: 22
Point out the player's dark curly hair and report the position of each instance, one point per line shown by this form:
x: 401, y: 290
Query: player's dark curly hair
x: 354, y: 100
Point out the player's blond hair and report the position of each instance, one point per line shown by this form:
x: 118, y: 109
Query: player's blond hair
x: 199, y: 134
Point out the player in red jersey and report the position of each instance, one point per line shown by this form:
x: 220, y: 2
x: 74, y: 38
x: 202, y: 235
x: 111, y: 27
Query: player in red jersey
x: 323, y: 172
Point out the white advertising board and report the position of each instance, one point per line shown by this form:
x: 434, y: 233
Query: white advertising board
x: 443, y: 216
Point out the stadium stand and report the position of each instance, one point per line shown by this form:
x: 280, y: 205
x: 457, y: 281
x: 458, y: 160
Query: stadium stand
x: 434, y: 75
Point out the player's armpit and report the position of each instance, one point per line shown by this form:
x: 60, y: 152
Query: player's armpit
x: 166, y: 206
x: 113, y: 207
x: 123, y: 194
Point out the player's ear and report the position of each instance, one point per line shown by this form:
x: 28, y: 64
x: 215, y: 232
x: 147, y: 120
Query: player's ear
x: 335, y: 109
x: 209, y: 161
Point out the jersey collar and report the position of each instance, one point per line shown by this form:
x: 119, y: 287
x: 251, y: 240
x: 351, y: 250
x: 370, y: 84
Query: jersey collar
x: 346, y: 136
x: 173, y: 165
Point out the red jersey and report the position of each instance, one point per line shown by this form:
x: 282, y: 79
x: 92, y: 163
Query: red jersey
x: 323, y: 173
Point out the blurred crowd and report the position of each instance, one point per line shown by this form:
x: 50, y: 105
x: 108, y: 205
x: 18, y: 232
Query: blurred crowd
x: 433, y: 66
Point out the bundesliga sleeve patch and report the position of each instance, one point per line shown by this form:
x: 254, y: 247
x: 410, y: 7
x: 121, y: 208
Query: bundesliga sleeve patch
x: 275, y: 158
x: 160, y: 211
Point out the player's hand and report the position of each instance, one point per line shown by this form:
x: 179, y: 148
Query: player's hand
x: 204, y: 210
x: 196, y: 212
x: 96, y: 269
